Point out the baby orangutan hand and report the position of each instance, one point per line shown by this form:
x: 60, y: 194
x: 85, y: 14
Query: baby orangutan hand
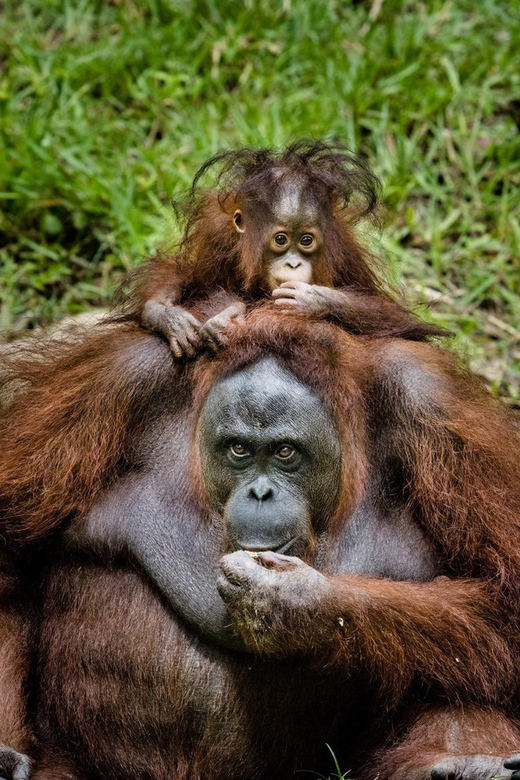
x: 187, y: 336
x: 215, y: 331
x: 307, y: 298
x: 175, y: 323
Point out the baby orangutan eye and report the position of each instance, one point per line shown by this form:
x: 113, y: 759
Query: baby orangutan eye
x: 281, y: 239
x: 307, y: 240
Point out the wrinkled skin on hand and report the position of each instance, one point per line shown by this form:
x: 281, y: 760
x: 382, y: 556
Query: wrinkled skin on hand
x: 215, y: 331
x: 186, y: 334
x: 308, y: 298
x: 179, y: 326
x: 273, y: 600
x: 13, y: 765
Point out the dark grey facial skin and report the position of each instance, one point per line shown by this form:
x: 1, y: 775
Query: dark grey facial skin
x: 271, y: 458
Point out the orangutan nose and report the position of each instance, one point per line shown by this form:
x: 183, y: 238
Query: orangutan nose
x: 261, y: 490
x: 293, y: 261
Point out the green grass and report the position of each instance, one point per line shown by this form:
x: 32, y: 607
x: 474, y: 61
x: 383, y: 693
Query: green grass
x: 107, y: 109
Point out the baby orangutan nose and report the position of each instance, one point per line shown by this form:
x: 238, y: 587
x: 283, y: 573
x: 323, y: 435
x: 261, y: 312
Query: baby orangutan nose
x: 291, y: 267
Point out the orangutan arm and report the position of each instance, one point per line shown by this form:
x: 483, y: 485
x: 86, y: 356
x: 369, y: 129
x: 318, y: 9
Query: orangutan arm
x: 358, y: 312
x: 441, y: 632
x: 151, y: 296
x: 452, y: 458
x: 69, y: 432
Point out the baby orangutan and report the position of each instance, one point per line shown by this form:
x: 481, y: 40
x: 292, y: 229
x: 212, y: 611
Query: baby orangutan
x: 279, y: 225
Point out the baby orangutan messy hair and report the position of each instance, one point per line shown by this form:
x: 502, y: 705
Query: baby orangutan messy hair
x: 342, y: 177
x: 275, y: 224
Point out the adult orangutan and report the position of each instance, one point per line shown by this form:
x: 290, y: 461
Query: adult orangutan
x: 280, y: 225
x: 15, y: 644
x: 308, y: 538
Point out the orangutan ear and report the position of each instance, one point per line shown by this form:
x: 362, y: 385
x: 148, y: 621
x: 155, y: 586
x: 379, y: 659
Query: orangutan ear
x: 238, y: 221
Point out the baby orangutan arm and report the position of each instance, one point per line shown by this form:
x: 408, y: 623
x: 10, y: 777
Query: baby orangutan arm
x: 215, y: 331
x: 179, y: 326
x: 358, y: 312
x: 155, y: 295
x: 185, y: 333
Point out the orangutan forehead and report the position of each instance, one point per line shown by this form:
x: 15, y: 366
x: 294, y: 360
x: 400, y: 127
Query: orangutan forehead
x: 265, y: 402
x: 293, y: 199
x: 265, y: 395
x: 261, y: 392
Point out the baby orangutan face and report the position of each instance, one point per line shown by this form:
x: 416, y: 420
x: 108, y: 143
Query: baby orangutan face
x: 292, y: 236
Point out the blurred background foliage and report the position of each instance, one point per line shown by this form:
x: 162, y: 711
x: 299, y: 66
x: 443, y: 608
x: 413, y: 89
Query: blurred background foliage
x: 108, y: 107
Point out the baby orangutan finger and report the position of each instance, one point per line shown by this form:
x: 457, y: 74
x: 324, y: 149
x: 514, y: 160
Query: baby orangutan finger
x: 220, y: 337
x: 214, y: 336
x: 287, y: 303
x: 279, y: 293
x: 216, y: 342
x: 182, y: 345
x: 188, y: 349
x: 175, y: 348
x: 193, y: 336
x: 293, y: 285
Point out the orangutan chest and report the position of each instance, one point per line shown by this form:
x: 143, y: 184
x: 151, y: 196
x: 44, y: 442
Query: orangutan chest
x: 115, y: 660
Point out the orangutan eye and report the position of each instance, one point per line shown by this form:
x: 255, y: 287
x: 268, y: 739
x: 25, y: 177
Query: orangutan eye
x: 307, y: 240
x: 239, y: 450
x: 284, y: 451
x: 281, y: 239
